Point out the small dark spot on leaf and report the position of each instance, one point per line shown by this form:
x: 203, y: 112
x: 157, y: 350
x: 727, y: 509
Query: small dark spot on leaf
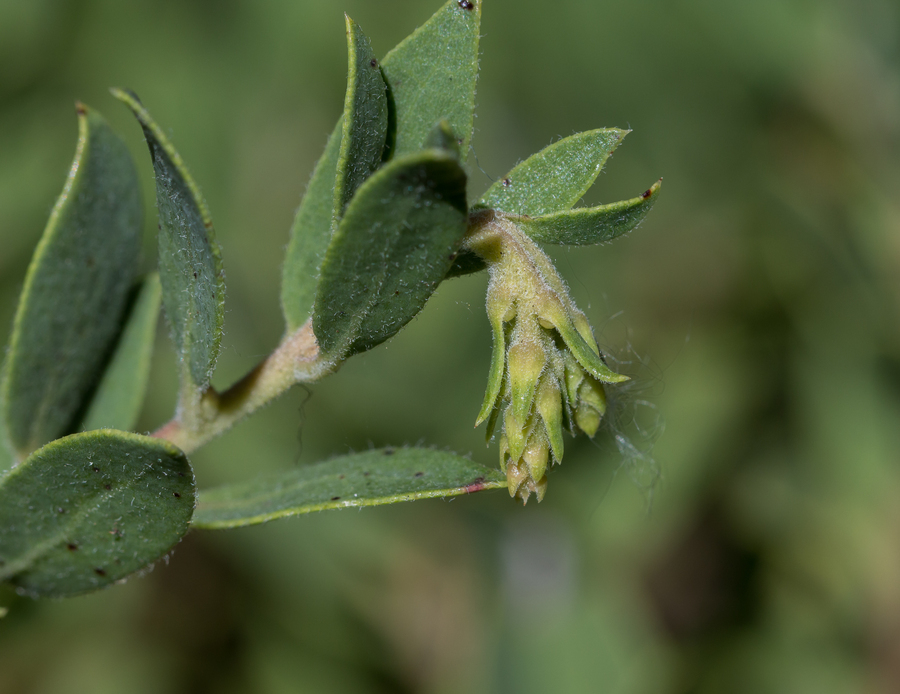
x: 466, y: 5
x: 389, y: 451
x: 181, y: 474
x: 479, y: 480
x: 89, y: 262
x: 176, y: 495
x: 366, y: 473
x: 397, y: 293
x: 420, y: 474
x: 80, y: 109
x: 335, y: 498
x: 373, y: 62
x: 107, y: 487
x: 100, y: 572
x: 507, y: 182
x: 340, y: 477
x: 452, y: 256
x: 72, y: 546
x: 195, y: 275
x: 95, y: 469
x: 647, y: 194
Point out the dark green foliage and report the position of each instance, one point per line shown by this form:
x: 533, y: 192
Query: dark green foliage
x: 70, y: 311
x: 431, y: 79
x: 190, y: 265
x: 117, y: 401
x: 89, y: 509
x: 394, y: 245
x: 365, y: 120
x: 384, y: 476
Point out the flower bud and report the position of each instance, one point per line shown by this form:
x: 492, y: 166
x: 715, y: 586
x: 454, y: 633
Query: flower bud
x: 546, y: 367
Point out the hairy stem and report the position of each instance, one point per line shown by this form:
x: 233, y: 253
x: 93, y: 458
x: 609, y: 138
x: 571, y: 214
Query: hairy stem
x: 295, y: 360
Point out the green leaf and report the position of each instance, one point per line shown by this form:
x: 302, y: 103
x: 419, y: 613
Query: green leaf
x: 431, y: 76
x: 364, y: 123
x: 373, y: 478
x: 75, y: 292
x: 89, y: 509
x: 353, y: 152
x: 589, y: 225
x: 555, y: 178
x: 117, y: 402
x: 190, y: 265
x: 6, y: 454
x: 310, y: 236
x: 393, y: 247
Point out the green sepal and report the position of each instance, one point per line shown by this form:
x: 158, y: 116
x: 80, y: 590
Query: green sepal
x: 75, y: 292
x: 89, y: 509
x: 392, y: 248
x: 117, y: 401
x: 555, y: 178
x: 590, y: 225
x: 498, y: 362
x: 586, y: 356
x: 190, y: 263
x: 549, y: 406
x: 431, y: 76
x: 373, y: 478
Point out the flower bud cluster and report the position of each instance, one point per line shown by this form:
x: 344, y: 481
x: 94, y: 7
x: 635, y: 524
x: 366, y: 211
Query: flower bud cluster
x: 547, y: 373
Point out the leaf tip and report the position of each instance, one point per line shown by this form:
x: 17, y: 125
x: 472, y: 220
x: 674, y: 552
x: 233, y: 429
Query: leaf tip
x: 652, y: 191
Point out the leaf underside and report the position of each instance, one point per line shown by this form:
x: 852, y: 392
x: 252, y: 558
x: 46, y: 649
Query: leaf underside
x: 190, y: 264
x: 89, y: 509
x: 117, y: 401
x: 394, y: 245
x: 590, y: 225
x: 76, y: 290
x: 373, y: 478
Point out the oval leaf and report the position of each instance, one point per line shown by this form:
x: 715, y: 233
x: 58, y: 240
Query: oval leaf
x: 190, y: 264
x: 391, y: 250
x: 117, y: 401
x: 75, y: 292
x: 555, y: 178
x: 589, y: 225
x: 89, y: 509
x: 431, y: 76
x: 373, y: 478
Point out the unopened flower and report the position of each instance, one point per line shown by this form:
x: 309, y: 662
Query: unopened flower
x: 547, y: 372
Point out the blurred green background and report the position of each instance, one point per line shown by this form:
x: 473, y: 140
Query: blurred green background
x: 754, y: 548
